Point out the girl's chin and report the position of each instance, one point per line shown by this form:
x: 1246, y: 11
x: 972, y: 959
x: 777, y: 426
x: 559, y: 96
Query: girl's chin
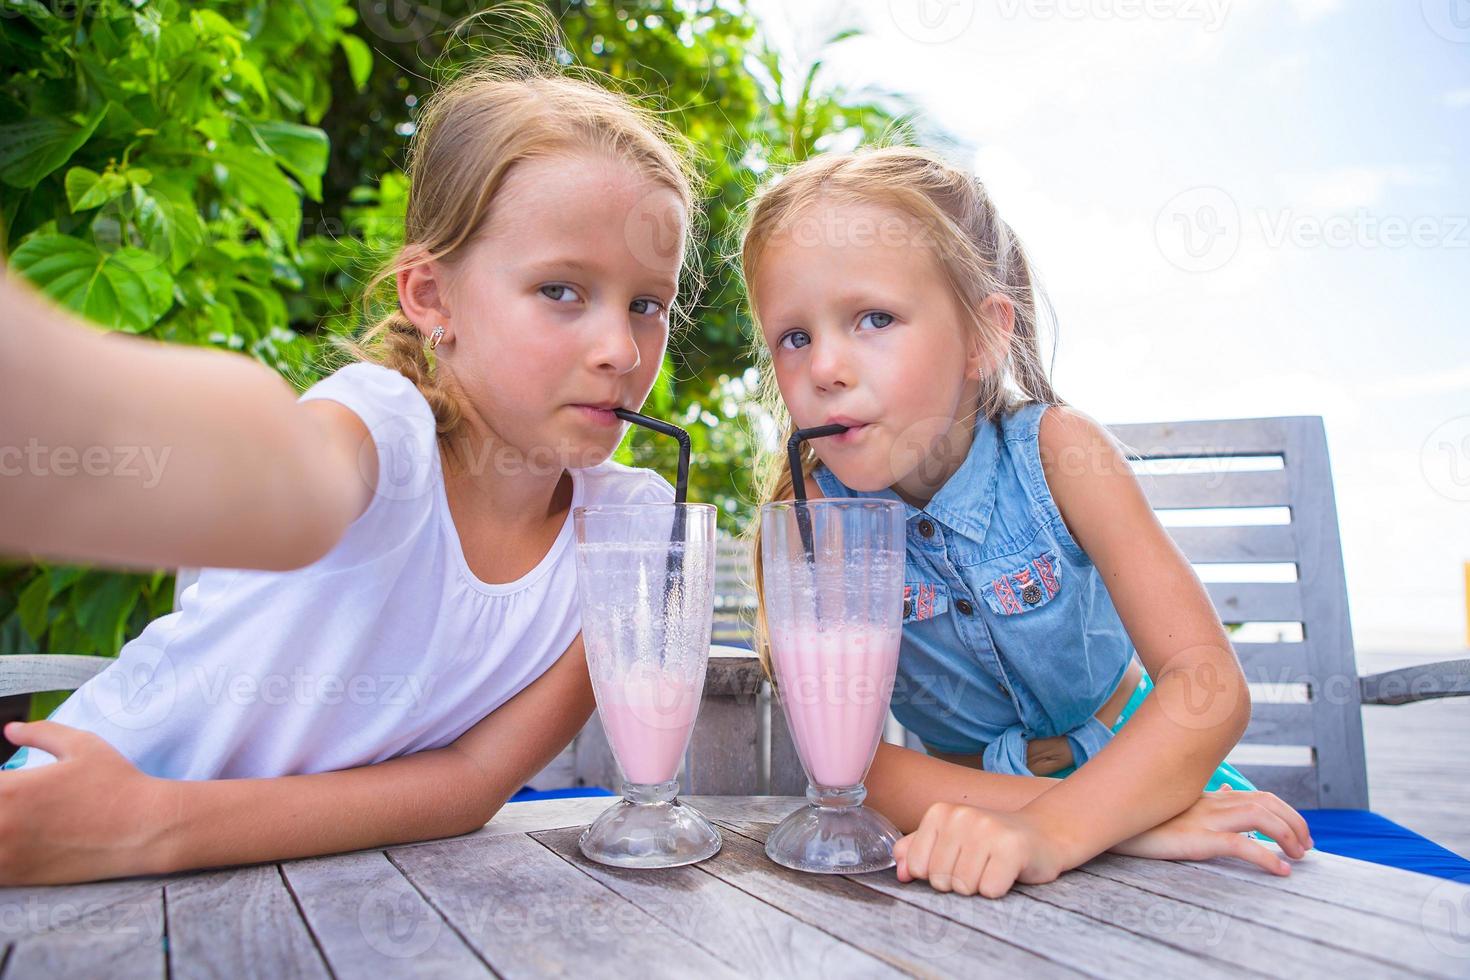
x: 860, y: 478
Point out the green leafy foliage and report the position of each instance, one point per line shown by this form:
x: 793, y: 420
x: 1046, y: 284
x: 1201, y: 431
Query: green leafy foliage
x: 230, y: 174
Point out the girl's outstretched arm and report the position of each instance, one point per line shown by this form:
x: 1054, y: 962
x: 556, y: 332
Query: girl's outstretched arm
x: 123, y: 451
x: 93, y: 815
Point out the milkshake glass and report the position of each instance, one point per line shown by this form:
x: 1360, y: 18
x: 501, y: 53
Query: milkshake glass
x: 645, y: 573
x: 832, y: 573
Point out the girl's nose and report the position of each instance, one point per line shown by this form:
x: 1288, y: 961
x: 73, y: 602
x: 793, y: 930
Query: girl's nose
x: 829, y: 366
x: 617, y: 350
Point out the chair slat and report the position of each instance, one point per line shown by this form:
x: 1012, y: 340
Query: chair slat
x: 1256, y: 602
x: 1243, y: 488
x: 1280, y: 724
x: 33, y: 673
x: 1274, y: 663
x: 1206, y: 439
x: 1296, y: 785
x: 1252, y: 543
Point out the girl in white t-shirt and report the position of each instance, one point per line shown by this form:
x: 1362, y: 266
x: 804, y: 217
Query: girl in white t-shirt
x: 389, y: 618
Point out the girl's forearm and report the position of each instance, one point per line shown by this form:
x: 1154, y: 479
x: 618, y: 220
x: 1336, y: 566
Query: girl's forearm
x: 902, y: 784
x: 1150, y: 772
x: 210, y: 823
x: 125, y: 451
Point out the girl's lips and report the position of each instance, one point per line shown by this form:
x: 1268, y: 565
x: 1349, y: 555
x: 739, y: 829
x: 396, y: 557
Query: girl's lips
x: 598, y: 416
x: 853, y: 433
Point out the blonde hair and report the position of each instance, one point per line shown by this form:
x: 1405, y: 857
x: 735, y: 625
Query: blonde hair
x: 471, y: 133
x: 980, y: 254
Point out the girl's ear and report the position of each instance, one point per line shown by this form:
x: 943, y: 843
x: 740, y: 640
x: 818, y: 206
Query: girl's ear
x: 989, y: 344
x: 422, y: 294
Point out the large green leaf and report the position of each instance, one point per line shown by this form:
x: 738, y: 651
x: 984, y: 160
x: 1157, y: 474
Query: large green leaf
x: 102, y: 602
x: 127, y: 290
x: 169, y: 222
x: 86, y: 189
x: 359, y: 59
x: 302, y: 150
x: 32, y: 149
x: 257, y: 180
x: 34, y: 606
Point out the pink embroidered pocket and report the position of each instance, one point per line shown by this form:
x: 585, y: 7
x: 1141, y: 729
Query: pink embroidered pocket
x: 923, y: 600
x: 1025, y: 586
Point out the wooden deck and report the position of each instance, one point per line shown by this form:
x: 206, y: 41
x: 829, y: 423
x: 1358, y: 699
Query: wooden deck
x: 1419, y: 758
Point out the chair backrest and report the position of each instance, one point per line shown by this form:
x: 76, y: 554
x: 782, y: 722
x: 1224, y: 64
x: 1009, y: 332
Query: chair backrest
x: 1305, y: 739
x: 734, y: 620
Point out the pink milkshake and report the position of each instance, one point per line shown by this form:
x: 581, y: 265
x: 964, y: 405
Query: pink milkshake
x: 835, y: 686
x: 648, y: 714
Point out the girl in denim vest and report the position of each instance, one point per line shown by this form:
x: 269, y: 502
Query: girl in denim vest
x: 1044, y: 605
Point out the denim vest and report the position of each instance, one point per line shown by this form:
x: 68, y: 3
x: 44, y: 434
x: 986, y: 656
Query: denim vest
x: 1009, y: 633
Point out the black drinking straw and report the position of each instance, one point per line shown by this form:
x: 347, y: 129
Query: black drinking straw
x: 681, y: 482
x: 798, y: 483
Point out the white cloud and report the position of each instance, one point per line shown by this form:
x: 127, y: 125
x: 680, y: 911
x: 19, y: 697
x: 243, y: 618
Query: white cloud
x: 1343, y: 188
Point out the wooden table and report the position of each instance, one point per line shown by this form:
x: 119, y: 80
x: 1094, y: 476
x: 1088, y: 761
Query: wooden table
x: 516, y: 898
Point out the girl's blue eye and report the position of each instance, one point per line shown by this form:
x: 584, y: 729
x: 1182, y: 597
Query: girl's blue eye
x: 649, y: 307
x: 878, y: 319
x: 559, y: 293
x: 795, y: 340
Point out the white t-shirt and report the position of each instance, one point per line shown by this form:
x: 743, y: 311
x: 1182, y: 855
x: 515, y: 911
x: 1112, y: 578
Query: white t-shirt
x: 387, y: 645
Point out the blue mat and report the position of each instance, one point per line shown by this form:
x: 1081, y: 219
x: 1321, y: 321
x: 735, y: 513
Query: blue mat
x: 527, y: 793
x: 1367, y: 836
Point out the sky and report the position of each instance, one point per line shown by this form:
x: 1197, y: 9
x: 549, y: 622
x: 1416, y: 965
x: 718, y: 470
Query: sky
x: 1239, y: 208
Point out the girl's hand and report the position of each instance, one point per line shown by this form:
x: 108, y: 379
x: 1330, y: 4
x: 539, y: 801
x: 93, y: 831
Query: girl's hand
x: 969, y: 850
x: 1215, y: 827
x: 91, y: 814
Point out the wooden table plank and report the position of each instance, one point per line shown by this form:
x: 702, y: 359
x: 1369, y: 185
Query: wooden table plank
x: 740, y: 930
x: 1439, y: 905
x: 906, y: 935
x: 1022, y: 919
x: 112, y: 929
x: 240, y: 922
x: 1261, y: 901
x: 368, y: 920
x: 529, y: 913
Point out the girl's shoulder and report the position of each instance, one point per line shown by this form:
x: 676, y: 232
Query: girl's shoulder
x: 610, y: 482
x: 378, y: 394
x: 402, y: 429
